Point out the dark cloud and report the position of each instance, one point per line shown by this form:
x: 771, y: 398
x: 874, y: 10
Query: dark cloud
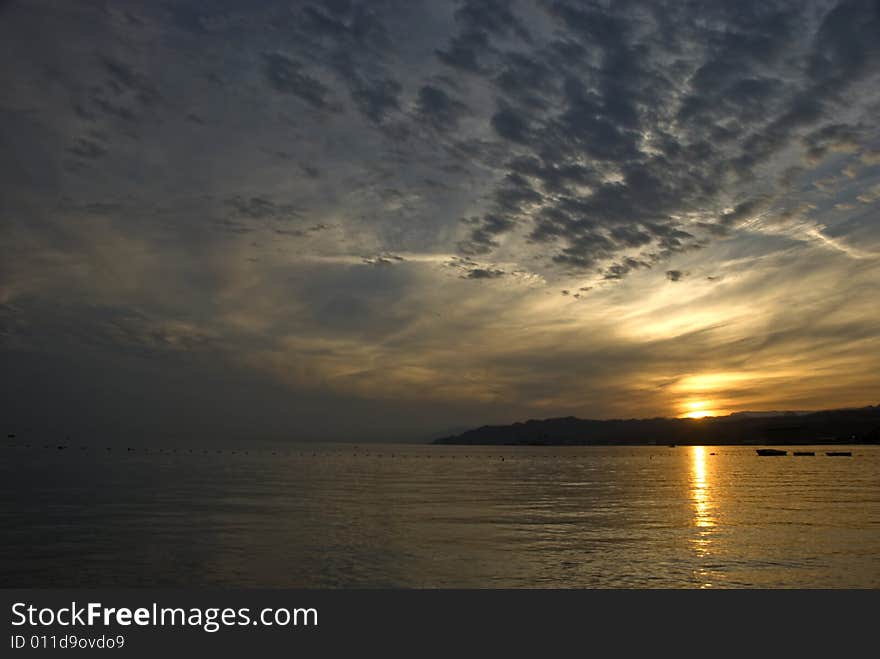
x: 846, y: 48
x: 87, y: 149
x: 511, y: 126
x: 285, y: 75
x: 300, y: 233
x: 120, y: 92
x: 482, y: 238
x: 555, y: 177
x: 472, y: 269
x: 485, y: 273
x: 376, y: 98
x: 234, y: 227
x: 491, y: 16
x: 516, y: 194
x: 587, y: 126
x: 310, y: 171
x: 675, y: 275
x: 190, y: 18
x: 261, y: 208
x: 585, y: 250
x: 352, y: 39
x: 624, y: 267
x: 832, y: 137
x: 594, y: 123
x: 439, y: 108
x: 384, y: 260
x: 631, y: 236
x: 581, y: 105
x: 123, y: 78
x: 478, y: 21
x: 463, y: 51
x: 353, y: 23
x: 526, y: 79
x: 844, y: 52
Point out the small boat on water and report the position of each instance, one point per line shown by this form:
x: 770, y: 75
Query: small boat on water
x: 770, y: 451
x: 838, y: 453
x: 804, y: 453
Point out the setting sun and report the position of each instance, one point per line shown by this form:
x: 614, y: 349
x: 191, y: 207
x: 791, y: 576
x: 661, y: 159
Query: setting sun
x: 698, y: 409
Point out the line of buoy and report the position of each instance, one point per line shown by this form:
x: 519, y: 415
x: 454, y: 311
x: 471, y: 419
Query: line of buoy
x: 363, y: 454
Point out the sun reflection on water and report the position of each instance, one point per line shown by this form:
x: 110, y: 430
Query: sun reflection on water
x: 704, y: 520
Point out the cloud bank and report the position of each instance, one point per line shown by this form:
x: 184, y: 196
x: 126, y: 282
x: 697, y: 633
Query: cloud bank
x: 412, y: 217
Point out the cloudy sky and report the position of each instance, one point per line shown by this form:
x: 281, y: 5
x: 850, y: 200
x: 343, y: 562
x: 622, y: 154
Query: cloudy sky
x: 394, y: 219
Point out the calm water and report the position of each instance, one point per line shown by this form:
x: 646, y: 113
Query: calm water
x: 441, y: 517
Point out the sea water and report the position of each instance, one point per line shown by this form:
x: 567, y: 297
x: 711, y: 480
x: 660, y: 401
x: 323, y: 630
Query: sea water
x: 408, y: 516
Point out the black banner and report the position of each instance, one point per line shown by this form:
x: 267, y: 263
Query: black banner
x: 278, y: 622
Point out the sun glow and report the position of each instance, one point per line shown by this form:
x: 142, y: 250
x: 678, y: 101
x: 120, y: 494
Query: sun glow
x: 699, y: 409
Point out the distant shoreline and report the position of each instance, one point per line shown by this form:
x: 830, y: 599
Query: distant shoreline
x: 823, y: 428
x: 742, y: 444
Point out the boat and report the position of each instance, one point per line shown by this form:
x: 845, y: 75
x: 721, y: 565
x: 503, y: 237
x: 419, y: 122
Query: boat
x: 805, y: 453
x: 838, y: 453
x: 770, y: 451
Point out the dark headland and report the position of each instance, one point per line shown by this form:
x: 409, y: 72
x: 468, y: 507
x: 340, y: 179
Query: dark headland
x: 844, y: 426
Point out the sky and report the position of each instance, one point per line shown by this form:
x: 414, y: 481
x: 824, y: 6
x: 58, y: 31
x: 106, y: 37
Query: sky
x: 393, y: 220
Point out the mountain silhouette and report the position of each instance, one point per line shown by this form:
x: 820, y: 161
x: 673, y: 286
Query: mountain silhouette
x: 842, y: 426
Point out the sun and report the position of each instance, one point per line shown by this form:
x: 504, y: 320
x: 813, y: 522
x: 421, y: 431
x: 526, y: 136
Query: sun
x: 698, y: 409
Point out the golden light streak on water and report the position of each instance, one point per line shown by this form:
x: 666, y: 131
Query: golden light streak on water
x: 704, y: 521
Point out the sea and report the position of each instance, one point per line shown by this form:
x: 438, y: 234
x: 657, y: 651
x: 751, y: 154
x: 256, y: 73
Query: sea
x: 421, y: 516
